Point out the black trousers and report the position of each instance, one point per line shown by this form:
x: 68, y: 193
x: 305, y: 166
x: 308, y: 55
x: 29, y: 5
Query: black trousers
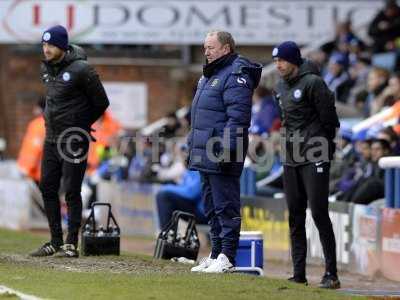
x: 365, y: 191
x: 302, y: 184
x: 65, y: 161
x: 168, y: 202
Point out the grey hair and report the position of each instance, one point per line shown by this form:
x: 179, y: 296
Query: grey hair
x: 225, y: 38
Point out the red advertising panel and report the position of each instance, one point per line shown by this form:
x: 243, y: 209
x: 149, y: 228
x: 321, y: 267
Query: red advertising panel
x: 391, y: 243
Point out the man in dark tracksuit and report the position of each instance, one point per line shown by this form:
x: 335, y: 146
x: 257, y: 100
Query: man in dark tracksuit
x: 309, y: 122
x: 75, y: 99
x: 220, y: 118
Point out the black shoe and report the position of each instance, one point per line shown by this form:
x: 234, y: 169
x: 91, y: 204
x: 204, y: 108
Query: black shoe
x: 329, y: 281
x: 298, y: 280
x: 47, y: 249
x: 67, y: 250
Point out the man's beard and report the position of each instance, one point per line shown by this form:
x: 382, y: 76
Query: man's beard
x: 289, y: 75
x: 56, y: 58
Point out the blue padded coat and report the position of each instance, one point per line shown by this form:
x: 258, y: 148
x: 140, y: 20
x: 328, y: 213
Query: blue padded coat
x: 220, y: 116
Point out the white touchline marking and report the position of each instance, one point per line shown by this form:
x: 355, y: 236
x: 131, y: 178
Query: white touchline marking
x: 5, y: 290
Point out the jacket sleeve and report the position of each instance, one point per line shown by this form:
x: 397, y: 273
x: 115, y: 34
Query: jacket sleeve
x: 277, y: 98
x: 373, y: 30
x: 237, y: 99
x: 94, y: 90
x: 324, y: 101
x: 391, y: 31
x: 189, y: 189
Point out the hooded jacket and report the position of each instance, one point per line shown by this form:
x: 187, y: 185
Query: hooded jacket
x: 75, y: 97
x: 220, y: 115
x: 308, y: 114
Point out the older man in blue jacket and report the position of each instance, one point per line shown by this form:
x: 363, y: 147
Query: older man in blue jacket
x: 218, y: 141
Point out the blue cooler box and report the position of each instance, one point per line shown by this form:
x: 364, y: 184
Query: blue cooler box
x: 250, y: 253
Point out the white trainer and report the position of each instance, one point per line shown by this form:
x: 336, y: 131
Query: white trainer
x: 204, y: 263
x: 220, y: 265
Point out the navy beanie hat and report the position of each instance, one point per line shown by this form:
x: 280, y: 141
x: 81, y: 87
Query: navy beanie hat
x: 57, y: 36
x: 288, y: 51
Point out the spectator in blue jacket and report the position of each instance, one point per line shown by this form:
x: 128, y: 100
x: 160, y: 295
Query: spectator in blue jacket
x: 337, y: 78
x: 184, y: 196
x: 265, y: 114
x: 218, y: 141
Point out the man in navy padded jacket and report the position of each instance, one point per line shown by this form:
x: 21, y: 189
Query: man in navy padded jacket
x: 218, y: 141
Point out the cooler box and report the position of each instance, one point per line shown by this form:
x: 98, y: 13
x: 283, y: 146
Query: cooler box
x: 250, y: 253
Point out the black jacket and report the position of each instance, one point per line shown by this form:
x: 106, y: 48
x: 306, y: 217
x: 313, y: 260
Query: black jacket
x: 308, y: 112
x: 75, y: 96
x: 382, y: 36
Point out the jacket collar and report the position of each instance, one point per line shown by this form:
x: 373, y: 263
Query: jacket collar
x: 212, y: 68
x: 56, y: 67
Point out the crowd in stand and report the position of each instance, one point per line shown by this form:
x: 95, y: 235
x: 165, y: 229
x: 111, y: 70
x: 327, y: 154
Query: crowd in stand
x: 365, y: 77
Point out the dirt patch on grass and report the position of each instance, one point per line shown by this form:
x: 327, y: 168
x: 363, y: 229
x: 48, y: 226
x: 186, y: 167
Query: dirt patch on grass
x: 113, y: 264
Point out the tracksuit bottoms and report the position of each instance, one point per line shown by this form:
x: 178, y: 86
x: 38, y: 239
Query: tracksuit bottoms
x: 221, y: 196
x: 309, y: 184
x: 64, y: 161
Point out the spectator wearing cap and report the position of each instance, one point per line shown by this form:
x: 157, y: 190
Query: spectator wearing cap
x: 391, y: 136
x: 308, y: 118
x: 343, y: 35
x: 337, y: 78
x: 361, y: 167
x: 356, y: 47
x: 345, y: 157
x: 385, y: 27
x: 362, y: 145
x: 370, y: 185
